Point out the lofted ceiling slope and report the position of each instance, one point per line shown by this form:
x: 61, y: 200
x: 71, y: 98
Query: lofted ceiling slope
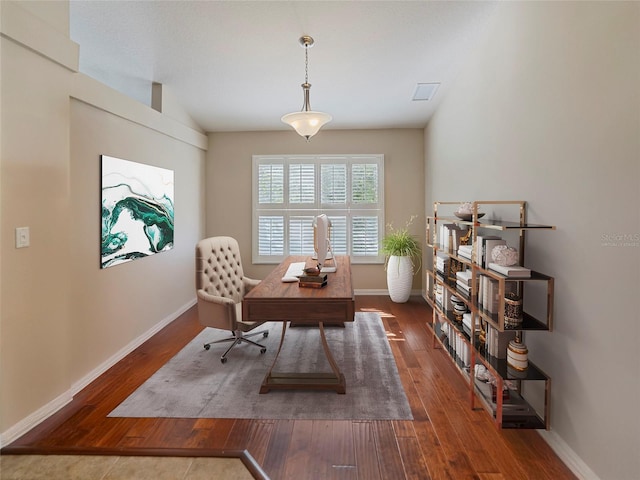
x: 237, y: 65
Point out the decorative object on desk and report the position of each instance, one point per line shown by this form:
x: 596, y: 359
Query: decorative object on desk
x: 512, y: 310
x: 504, y: 255
x: 190, y: 385
x: 401, y: 249
x: 322, y: 244
x: 465, y: 211
x: 312, y: 271
x: 517, y: 354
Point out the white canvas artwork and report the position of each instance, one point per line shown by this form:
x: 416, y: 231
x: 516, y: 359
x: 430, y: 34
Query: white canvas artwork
x: 137, y: 210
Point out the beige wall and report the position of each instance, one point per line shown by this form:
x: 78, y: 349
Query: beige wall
x: 549, y: 112
x: 125, y: 301
x: 34, y: 308
x: 228, y: 176
x: 62, y: 319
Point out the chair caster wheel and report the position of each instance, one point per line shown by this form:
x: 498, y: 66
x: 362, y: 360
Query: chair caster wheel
x: 223, y: 360
x: 207, y: 347
x: 265, y: 334
x: 262, y: 350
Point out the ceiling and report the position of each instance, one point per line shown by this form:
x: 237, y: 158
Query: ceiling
x: 238, y: 66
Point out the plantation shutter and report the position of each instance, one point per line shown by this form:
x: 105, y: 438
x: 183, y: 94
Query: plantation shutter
x: 301, y: 235
x: 289, y: 191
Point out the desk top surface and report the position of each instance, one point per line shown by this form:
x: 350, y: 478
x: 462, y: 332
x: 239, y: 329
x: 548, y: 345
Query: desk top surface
x: 273, y: 288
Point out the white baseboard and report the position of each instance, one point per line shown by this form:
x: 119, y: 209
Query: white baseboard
x: 26, y: 424
x: 371, y: 291
x: 127, y: 349
x: 382, y: 291
x: 40, y: 415
x: 567, y: 455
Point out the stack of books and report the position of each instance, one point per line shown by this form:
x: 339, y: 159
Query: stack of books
x: 466, y: 323
x: 442, y: 264
x: 313, y: 281
x: 463, y: 281
x: 464, y: 251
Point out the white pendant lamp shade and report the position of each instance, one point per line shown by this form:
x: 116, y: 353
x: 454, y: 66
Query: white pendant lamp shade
x: 306, y: 122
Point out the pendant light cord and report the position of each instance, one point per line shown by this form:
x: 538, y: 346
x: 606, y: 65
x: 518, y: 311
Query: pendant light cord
x: 306, y: 64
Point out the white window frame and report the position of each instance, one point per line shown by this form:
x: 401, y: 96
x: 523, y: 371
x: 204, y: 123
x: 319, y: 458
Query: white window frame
x: 348, y: 209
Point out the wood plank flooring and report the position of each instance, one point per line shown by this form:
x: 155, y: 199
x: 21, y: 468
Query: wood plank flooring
x: 446, y: 439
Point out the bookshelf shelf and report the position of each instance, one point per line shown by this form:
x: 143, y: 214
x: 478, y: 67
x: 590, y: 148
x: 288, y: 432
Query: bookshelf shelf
x: 480, y: 347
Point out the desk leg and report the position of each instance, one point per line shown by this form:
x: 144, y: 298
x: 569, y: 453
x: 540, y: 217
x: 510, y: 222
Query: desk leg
x: 327, y: 353
x: 264, y: 388
x: 305, y: 381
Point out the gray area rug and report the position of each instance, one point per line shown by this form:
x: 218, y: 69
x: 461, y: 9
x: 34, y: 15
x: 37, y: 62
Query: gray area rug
x: 195, y: 384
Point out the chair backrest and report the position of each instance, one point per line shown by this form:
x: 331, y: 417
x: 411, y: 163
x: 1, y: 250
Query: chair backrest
x: 219, y: 268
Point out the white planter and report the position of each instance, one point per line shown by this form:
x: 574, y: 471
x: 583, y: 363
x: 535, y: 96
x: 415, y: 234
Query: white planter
x: 399, y: 278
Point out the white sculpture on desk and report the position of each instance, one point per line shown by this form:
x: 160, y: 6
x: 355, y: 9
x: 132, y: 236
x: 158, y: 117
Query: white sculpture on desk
x: 321, y: 244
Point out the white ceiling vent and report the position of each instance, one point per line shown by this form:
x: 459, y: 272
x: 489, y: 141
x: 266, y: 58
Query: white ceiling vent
x: 425, y: 91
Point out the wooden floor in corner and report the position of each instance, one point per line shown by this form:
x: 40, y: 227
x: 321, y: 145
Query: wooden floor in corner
x: 445, y: 440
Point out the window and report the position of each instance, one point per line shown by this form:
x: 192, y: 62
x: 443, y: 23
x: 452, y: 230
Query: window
x: 290, y: 190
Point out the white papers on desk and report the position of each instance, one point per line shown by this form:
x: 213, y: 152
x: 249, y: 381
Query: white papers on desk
x: 295, y: 270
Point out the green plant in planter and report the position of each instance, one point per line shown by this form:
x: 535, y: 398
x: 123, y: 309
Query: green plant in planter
x: 400, y: 243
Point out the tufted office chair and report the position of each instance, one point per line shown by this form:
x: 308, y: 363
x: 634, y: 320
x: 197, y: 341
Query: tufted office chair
x: 221, y: 286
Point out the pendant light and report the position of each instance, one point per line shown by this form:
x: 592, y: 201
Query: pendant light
x: 306, y: 122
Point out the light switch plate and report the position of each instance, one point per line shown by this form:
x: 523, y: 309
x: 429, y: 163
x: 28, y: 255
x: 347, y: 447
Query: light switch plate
x: 22, y: 237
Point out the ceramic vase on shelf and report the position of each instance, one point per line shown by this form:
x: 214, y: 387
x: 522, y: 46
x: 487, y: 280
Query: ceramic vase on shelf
x: 399, y: 278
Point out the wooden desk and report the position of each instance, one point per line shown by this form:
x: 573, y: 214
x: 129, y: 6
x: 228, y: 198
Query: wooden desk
x: 276, y: 301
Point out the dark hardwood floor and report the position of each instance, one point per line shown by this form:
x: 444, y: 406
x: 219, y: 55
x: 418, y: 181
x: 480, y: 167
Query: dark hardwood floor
x: 446, y: 439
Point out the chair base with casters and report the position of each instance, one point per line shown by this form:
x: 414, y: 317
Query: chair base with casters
x: 238, y: 337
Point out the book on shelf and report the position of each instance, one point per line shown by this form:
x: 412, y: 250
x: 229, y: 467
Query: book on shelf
x: 463, y: 286
x: 497, y: 342
x: 466, y: 323
x: 480, y: 249
x: 490, y: 294
x: 442, y: 263
x: 450, y: 235
x: 513, y: 271
x: 465, y: 251
x: 464, y: 276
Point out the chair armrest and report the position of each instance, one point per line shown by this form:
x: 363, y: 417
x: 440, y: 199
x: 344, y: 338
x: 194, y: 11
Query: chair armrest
x: 249, y: 283
x: 217, y: 312
x: 202, y: 295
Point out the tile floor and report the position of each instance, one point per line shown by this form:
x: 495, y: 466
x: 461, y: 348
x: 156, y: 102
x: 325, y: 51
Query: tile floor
x: 100, y: 467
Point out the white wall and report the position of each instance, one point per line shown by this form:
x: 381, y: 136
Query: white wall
x: 63, y: 320
x: 549, y: 112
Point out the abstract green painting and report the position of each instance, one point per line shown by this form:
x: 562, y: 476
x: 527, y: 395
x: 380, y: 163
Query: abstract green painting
x: 137, y: 210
